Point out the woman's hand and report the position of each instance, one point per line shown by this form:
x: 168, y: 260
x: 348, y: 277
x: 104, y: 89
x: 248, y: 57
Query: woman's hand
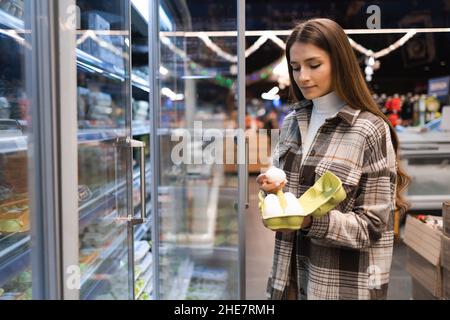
x: 265, y: 185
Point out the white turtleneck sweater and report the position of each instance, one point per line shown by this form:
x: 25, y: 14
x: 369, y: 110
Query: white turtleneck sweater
x: 324, y: 107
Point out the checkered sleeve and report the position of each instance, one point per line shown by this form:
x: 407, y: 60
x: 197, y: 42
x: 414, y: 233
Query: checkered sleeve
x: 280, y: 147
x: 375, y: 197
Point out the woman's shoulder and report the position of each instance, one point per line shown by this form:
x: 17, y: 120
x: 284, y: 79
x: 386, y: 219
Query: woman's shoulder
x: 373, y: 129
x: 371, y: 123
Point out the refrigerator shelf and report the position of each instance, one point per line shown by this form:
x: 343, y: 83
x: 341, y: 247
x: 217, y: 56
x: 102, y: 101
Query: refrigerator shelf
x: 89, y: 63
x: 13, y: 144
x: 97, y: 286
x: 149, y: 290
x: 208, y: 224
x: 140, y: 129
x: 181, y: 284
x: 144, y: 265
x: 143, y: 228
x: 15, y: 264
x: 103, y: 201
x: 85, y: 61
x: 17, y: 143
x: 89, y: 211
x: 11, y: 22
x: 98, y: 262
x: 147, y: 276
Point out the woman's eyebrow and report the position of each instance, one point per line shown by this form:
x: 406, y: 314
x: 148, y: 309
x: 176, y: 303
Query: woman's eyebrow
x: 306, y: 60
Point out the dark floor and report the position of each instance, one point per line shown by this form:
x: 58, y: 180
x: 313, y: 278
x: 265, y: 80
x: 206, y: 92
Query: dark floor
x: 259, y: 248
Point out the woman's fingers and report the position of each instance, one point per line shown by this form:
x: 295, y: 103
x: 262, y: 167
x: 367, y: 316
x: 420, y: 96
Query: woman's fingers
x: 261, y: 178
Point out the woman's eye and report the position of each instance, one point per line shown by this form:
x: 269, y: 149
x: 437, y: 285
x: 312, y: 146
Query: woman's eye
x: 315, y: 66
x: 296, y: 69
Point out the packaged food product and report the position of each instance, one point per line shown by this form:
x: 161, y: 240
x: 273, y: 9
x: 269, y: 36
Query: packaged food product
x: 145, y: 296
x: 87, y: 256
x: 15, y: 217
x: 5, y: 192
x: 14, y: 167
x: 13, y: 296
x: 84, y: 193
x: 144, y: 265
x: 24, y: 277
x: 140, y: 250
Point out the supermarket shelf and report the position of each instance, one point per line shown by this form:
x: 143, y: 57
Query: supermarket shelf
x: 17, y: 143
x: 148, y: 289
x: 89, y: 63
x: 91, y: 135
x: 180, y: 287
x: 146, y: 282
x: 17, y: 263
x: 103, y: 256
x: 100, y: 284
x: 140, y: 129
x: 200, y: 252
x: 143, y: 228
x: 205, y: 239
x: 11, y: 21
x: 92, y: 208
x: 13, y: 144
x: 149, y: 261
x: 103, y: 201
x: 140, y: 83
x: 85, y: 61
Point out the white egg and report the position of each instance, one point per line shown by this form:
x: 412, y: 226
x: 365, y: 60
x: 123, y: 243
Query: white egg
x: 276, y: 175
x: 293, y: 206
x: 272, y: 206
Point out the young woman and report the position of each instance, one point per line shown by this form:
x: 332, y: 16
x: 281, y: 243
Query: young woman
x: 335, y: 126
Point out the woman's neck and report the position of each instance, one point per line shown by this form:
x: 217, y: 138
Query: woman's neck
x: 329, y: 103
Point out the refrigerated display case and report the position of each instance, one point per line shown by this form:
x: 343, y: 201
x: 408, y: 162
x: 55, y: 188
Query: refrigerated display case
x: 426, y: 158
x: 120, y: 118
x: 15, y: 248
x: 197, y: 242
x: 110, y: 169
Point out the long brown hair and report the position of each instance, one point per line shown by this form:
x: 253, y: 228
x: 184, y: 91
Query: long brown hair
x: 348, y: 80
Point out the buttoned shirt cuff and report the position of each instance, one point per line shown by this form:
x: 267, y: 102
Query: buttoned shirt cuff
x: 318, y: 228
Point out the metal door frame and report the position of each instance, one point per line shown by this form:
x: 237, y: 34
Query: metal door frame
x: 242, y: 147
x: 51, y: 81
x: 155, y: 102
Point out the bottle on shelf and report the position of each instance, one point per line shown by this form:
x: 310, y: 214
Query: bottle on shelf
x: 422, y: 110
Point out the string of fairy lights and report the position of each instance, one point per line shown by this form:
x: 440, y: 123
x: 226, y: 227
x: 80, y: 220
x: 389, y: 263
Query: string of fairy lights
x: 279, y: 70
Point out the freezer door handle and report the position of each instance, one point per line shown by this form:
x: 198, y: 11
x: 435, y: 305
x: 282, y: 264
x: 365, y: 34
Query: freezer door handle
x: 247, y: 195
x: 141, y: 146
x: 128, y: 142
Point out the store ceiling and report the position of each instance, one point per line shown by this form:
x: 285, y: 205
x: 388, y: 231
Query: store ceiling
x: 404, y: 70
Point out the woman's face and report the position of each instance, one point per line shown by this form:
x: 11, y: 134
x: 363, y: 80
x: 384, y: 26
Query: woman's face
x: 311, y: 69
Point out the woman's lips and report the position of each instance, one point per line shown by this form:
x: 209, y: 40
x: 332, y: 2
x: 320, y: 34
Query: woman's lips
x: 307, y: 88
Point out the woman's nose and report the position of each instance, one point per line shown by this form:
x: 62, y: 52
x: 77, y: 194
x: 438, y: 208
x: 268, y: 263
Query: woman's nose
x: 303, y: 77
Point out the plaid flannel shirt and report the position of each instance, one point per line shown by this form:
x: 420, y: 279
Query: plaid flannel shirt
x: 347, y: 253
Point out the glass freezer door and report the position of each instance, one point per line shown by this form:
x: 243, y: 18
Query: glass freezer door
x: 197, y: 240
x: 15, y: 121
x: 104, y: 153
